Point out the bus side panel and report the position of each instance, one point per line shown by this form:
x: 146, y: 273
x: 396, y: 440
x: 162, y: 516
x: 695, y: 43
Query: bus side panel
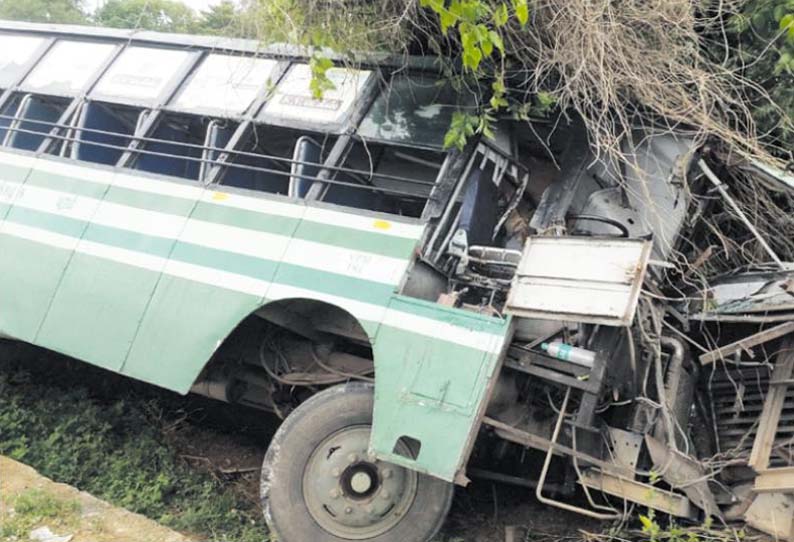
x: 40, y: 232
x: 101, y: 300
x: 433, y: 367
x: 14, y: 171
x: 218, y: 273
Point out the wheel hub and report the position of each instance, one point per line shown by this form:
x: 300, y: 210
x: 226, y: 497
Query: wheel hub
x: 351, y: 494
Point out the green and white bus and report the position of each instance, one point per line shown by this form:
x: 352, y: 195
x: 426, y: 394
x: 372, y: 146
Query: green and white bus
x: 183, y: 211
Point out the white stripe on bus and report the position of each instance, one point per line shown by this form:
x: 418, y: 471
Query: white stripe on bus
x: 142, y: 183
x: 267, y: 246
x: 428, y: 327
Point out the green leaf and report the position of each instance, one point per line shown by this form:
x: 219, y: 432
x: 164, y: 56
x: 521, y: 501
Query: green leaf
x: 647, y: 523
x: 522, y: 11
x: 487, y: 48
x: 447, y: 19
x: 500, y: 15
x: 496, y: 39
x: 472, y: 58
x: 546, y: 99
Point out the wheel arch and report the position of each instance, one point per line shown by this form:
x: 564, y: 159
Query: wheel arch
x: 308, y: 317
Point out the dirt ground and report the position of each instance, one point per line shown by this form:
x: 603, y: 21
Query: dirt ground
x: 66, y: 512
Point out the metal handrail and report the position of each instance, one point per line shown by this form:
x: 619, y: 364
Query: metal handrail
x: 287, y: 174
x: 203, y: 148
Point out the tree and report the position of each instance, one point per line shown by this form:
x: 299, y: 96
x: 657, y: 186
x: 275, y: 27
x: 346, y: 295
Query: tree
x: 157, y: 15
x: 611, y: 64
x: 764, y: 52
x: 224, y: 19
x: 43, y: 11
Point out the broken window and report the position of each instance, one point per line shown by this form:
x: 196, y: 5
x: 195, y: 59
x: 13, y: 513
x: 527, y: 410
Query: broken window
x: 33, y: 118
x: 174, y: 147
x: 103, y: 132
x: 265, y: 162
x: 384, y: 178
x: 413, y: 110
x: 225, y: 85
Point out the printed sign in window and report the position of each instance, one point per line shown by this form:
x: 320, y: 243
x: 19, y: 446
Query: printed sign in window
x: 293, y: 99
x: 141, y: 74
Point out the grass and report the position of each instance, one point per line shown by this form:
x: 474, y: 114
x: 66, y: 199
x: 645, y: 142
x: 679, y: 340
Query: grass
x: 114, y: 449
x: 33, y: 508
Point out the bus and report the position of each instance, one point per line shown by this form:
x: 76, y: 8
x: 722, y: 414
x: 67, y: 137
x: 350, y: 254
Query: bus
x: 184, y: 211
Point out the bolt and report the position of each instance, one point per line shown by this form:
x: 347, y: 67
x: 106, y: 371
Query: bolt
x: 387, y: 473
x: 352, y: 458
x: 385, y: 494
x: 348, y: 510
x: 336, y: 473
x: 334, y: 493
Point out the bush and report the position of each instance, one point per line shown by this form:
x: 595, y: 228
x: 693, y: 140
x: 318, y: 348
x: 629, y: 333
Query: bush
x: 115, y: 451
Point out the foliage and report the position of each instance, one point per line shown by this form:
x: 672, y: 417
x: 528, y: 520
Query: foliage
x: 223, y: 19
x: 614, y: 66
x: 32, y: 508
x: 43, y: 11
x: 764, y: 52
x: 115, y: 451
x: 157, y: 15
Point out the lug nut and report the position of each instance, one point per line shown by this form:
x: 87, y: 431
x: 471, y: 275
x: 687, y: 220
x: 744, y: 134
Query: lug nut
x: 334, y: 493
x: 387, y: 473
x: 352, y: 458
x: 348, y: 510
x: 336, y: 473
x: 385, y: 495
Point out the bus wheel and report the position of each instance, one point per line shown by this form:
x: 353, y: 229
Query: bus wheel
x: 319, y: 484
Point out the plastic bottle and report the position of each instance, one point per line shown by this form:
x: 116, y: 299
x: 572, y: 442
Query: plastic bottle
x: 567, y: 352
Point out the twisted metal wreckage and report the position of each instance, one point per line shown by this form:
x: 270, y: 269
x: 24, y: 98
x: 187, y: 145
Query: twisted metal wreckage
x: 605, y: 333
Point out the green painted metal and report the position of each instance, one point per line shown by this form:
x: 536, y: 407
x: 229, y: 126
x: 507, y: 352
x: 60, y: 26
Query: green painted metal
x: 432, y: 390
x: 147, y: 276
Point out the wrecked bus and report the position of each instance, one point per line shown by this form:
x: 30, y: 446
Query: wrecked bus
x: 182, y: 210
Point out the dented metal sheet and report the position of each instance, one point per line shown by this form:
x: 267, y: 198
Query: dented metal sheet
x: 585, y: 279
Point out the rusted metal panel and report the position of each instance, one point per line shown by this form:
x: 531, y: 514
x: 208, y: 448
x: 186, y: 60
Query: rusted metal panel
x: 779, y: 480
x: 773, y: 408
x: 647, y: 495
x: 594, y: 280
x: 745, y: 344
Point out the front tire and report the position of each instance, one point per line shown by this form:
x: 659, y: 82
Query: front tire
x: 320, y: 485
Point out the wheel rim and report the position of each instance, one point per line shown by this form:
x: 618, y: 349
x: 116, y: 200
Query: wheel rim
x: 349, y: 493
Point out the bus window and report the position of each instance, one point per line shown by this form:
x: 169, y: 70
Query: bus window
x: 293, y: 103
x: 225, y: 85
x: 106, y: 134
x: 141, y: 74
x: 68, y: 67
x: 413, y: 110
x: 16, y: 52
x: 175, y: 147
x: 388, y: 179
x: 266, y: 162
x: 7, y: 115
x: 34, y: 118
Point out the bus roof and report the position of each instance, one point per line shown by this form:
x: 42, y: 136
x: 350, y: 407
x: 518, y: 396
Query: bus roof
x: 217, y: 44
